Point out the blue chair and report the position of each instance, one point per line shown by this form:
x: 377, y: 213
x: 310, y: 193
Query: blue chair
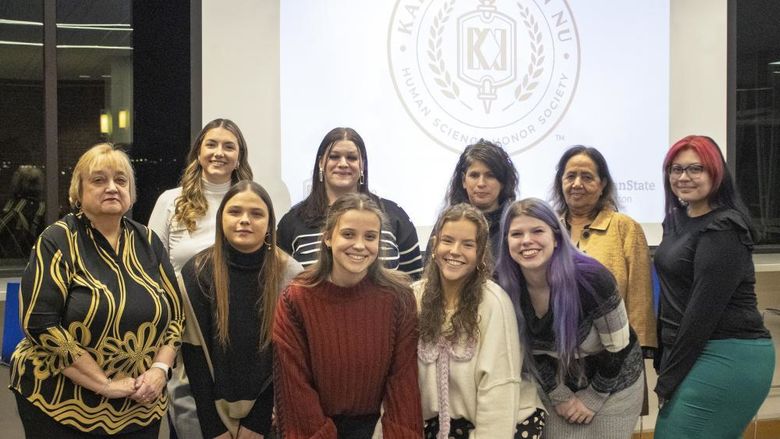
x: 12, y: 328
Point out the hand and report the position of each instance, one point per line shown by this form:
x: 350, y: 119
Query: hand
x: 574, y: 411
x: 119, y: 388
x: 245, y: 433
x: 149, y: 385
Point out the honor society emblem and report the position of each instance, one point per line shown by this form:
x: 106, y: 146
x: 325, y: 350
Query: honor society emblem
x: 501, y: 70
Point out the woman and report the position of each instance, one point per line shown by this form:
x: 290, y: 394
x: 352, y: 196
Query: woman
x: 486, y: 178
x: 231, y: 292
x: 717, y: 358
x: 469, y: 355
x: 345, y: 337
x: 341, y: 167
x: 185, y: 217
x: 101, y: 314
x: 185, y: 220
x: 586, y: 198
x: 585, y: 354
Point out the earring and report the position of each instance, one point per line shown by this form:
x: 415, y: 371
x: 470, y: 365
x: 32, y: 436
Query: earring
x: 267, y: 241
x: 362, y: 179
x: 321, y: 175
x: 481, y: 267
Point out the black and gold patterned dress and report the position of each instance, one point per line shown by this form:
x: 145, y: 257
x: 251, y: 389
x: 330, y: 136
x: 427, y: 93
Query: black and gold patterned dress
x: 78, y: 296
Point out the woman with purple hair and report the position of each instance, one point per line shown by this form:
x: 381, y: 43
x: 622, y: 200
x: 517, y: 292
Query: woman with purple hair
x: 585, y: 355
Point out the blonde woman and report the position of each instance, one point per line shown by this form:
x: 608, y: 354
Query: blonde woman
x: 101, y: 314
x: 185, y: 220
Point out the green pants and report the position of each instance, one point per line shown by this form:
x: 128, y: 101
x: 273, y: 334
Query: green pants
x: 721, y: 393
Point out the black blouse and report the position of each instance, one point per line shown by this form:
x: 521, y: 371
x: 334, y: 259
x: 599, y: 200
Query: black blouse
x: 706, y: 272
x: 79, y: 296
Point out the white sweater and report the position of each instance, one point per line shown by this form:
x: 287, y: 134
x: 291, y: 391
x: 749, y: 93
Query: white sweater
x: 487, y: 389
x: 181, y: 244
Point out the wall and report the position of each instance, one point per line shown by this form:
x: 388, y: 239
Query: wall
x: 245, y: 87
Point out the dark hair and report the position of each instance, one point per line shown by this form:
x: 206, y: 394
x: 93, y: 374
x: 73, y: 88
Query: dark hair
x: 466, y: 318
x: 608, y: 198
x: 499, y: 163
x: 315, y: 205
x: 269, y: 277
x: 568, y: 269
x: 317, y: 273
x: 192, y: 204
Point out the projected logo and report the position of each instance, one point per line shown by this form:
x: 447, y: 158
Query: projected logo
x: 505, y: 71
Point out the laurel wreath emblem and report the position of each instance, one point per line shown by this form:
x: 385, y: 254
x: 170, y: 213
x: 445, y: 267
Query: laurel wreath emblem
x: 442, y: 77
x: 536, y: 67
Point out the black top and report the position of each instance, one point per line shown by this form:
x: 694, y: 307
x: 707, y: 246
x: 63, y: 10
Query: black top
x: 494, y: 222
x: 612, y: 357
x: 399, y: 249
x: 80, y: 297
x: 241, y: 372
x: 706, y: 272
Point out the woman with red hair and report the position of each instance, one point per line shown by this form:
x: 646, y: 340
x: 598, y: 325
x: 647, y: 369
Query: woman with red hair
x: 710, y: 330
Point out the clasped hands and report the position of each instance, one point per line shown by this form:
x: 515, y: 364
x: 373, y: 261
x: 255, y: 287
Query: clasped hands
x: 145, y: 389
x: 574, y: 411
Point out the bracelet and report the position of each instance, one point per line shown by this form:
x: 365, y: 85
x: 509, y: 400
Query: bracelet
x: 162, y: 366
x: 105, y: 386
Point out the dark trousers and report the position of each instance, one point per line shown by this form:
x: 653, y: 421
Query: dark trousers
x: 355, y: 427
x: 39, y: 425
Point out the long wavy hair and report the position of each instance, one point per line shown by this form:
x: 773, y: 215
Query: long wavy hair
x: 499, y: 163
x: 319, y: 272
x: 608, y: 198
x: 724, y: 191
x: 192, y: 204
x: 567, y: 270
x: 214, y: 260
x: 464, y: 322
x: 315, y: 206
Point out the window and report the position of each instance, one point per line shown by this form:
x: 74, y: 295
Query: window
x: 107, y: 81
x: 22, y: 199
x: 756, y: 109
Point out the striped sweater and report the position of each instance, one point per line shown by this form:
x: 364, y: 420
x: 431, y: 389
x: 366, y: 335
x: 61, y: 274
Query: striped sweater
x: 400, y: 249
x: 610, y: 356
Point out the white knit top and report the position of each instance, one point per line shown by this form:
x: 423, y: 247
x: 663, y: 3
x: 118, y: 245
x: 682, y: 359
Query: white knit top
x: 181, y: 244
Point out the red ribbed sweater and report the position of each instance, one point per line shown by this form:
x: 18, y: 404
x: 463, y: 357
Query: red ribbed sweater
x: 345, y: 351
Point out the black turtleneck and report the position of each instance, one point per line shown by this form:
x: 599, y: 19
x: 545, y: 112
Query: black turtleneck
x: 241, y: 371
x: 494, y: 221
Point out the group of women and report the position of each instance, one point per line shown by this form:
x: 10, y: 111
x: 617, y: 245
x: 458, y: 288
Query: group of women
x: 524, y: 321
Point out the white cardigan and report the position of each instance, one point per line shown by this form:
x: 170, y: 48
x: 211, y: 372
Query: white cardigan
x: 487, y: 389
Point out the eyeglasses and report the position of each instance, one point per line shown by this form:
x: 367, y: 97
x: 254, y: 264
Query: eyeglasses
x: 693, y: 170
